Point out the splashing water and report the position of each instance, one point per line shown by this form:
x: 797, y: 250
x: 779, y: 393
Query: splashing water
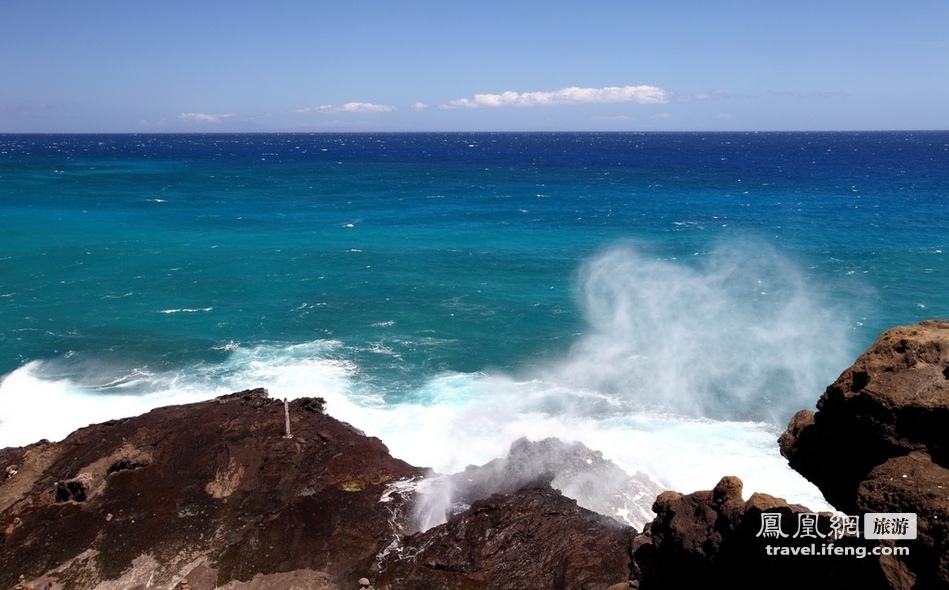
x: 738, y: 334
x: 684, y: 374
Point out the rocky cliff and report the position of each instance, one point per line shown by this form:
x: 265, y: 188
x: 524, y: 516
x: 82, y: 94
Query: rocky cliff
x: 879, y: 443
x: 219, y: 494
x: 214, y: 492
x: 712, y: 539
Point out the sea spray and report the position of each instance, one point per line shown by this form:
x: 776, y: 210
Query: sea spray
x: 721, y: 351
x: 464, y: 419
x: 736, y: 333
x: 667, y: 341
x: 577, y: 471
x: 421, y: 284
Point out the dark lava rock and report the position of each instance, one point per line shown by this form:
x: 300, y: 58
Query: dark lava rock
x: 893, y: 400
x: 714, y: 539
x: 212, y: 491
x: 879, y: 443
x: 534, y: 538
x: 580, y: 473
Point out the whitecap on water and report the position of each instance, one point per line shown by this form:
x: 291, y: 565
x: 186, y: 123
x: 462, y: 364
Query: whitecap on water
x: 685, y: 373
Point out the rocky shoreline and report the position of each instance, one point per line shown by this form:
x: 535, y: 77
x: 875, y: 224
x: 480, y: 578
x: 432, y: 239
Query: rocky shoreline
x: 246, y: 492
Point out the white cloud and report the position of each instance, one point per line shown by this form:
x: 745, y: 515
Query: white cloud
x: 570, y: 95
x: 366, y: 107
x: 309, y: 111
x: 419, y: 106
x: 349, y: 107
x: 204, y: 117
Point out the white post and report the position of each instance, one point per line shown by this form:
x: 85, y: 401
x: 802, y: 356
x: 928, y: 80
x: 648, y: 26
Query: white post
x: 286, y: 415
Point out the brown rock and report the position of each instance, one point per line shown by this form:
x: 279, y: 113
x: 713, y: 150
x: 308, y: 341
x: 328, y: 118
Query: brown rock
x: 879, y: 443
x: 578, y: 472
x: 532, y: 539
x: 711, y: 539
x: 892, y: 401
x: 211, y: 488
x: 295, y: 580
x: 914, y: 483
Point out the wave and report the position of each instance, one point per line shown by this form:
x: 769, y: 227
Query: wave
x: 452, y: 421
x: 687, y: 372
x: 49, y: 399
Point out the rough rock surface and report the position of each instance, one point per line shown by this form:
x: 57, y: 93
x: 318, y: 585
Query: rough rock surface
x: 879, y: 442
x: 583, y: 474
x: 533, y: 538
x: 211, y: 491
x: 215, y: 495
x: 712, y: 539
x: 295, y: 580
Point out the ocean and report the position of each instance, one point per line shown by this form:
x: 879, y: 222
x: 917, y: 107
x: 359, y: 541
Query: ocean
x: 668, y: 299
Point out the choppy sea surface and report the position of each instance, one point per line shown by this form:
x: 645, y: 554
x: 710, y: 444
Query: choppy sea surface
x: 668, y: 299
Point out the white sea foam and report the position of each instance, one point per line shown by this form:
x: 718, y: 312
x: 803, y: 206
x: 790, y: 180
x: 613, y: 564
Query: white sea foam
x: 681, y: 453
x: 457, y: 420
x: 35, y: 403
x: 472, y: 423
x: 686, y: 373
x: 34, y: 406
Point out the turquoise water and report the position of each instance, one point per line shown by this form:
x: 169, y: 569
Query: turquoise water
x: 558, y: 282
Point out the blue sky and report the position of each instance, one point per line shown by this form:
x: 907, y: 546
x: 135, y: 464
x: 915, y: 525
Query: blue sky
x: 419, y: 65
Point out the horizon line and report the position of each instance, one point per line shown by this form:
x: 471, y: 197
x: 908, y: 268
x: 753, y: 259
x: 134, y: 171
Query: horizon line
x: 419, y: 132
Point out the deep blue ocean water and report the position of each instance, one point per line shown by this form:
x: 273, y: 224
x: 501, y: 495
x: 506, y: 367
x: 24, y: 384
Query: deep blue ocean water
x: 450, y: 292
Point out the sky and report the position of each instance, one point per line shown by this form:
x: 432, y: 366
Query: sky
x: 130, y: 66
